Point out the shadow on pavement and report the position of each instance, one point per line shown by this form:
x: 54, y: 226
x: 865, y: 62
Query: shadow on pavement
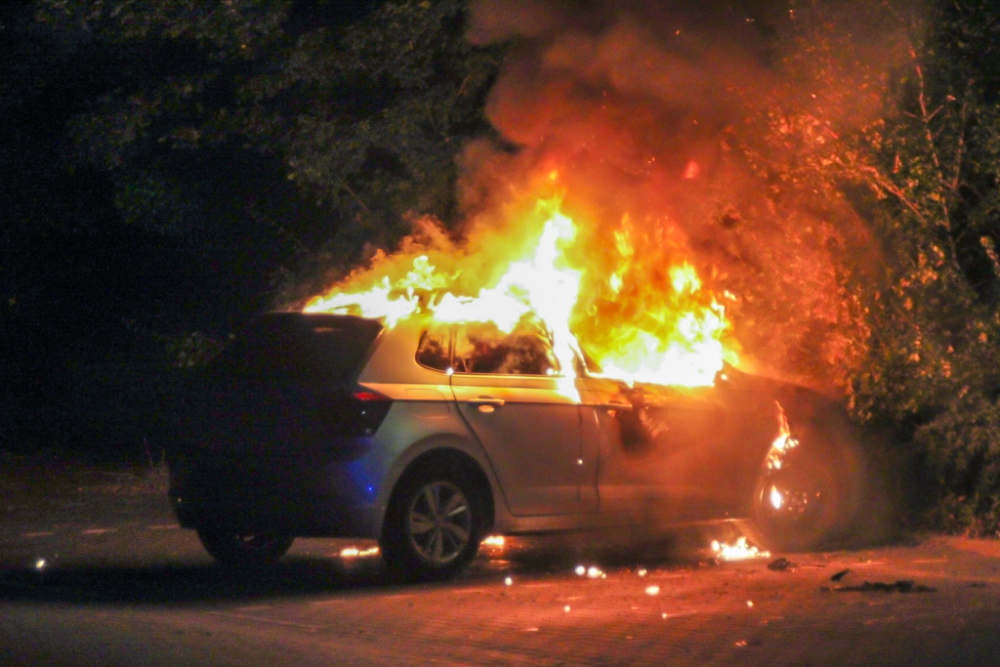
x: 157, y: 584
x: 83, y: 583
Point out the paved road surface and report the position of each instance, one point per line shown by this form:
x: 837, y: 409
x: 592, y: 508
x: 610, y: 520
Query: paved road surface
x: 122, y: 585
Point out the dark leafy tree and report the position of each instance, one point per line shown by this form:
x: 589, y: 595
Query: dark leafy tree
x: 913, y: 153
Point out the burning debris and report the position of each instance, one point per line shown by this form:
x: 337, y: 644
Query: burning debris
x: 738, y: 551
x: 355, y: 552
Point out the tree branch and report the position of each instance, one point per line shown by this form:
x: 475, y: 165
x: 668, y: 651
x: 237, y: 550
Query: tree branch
x: 926, y: 118
x: 356, y: 197
x: 960, y: 154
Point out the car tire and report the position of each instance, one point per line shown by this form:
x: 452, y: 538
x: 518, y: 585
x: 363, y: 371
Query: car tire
x: 433, y: 525
x: 244, y: 549
x: 809, y: 503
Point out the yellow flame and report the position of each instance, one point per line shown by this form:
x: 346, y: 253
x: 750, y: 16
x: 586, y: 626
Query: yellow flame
x: 781, y: 444
x: 663, y: 336
x: 776, y: 499
x: 685, y: 279
x: 355, y: 552
x: 738, y: 551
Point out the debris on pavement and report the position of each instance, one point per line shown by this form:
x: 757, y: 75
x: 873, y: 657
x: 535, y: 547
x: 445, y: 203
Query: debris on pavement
x: 780, y: 565
x: 901, y: 586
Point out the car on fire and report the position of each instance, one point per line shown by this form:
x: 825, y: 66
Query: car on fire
x: 428, y: 437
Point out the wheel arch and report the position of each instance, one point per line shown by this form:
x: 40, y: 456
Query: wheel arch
x: 438, y: 454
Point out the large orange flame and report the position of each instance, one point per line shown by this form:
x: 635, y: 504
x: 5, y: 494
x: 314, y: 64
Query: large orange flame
x: 667, y: 331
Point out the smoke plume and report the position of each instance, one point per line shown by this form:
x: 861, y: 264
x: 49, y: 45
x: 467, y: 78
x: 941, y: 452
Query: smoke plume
x: 650, y: 117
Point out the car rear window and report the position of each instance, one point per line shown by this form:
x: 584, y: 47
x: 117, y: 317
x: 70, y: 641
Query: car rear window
x: 483, y: 348
x: 325, y: 348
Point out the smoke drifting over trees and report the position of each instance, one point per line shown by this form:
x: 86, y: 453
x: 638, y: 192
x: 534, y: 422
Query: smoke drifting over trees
x: 667, y: 114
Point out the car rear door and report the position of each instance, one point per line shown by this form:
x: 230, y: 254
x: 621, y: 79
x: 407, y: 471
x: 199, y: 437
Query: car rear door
x: 511, y: 393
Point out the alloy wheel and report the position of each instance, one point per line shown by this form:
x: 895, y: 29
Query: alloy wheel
x: 439, y: 522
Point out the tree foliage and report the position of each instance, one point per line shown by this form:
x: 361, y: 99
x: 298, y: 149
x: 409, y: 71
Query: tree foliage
x: 365, y: 114
x: 911, y: 152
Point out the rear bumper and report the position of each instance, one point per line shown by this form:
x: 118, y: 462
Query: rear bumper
x: 300, y: 497
x: 316, y: 516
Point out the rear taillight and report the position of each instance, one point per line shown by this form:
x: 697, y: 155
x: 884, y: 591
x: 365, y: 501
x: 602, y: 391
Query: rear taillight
x: 369, y: 410
x: 366, y: 396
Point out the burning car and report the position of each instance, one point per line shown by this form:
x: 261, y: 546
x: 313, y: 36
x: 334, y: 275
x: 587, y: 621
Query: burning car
x: 428, y: 435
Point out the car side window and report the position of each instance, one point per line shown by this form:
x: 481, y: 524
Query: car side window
x: 483, y: 348
x: 433, y: 349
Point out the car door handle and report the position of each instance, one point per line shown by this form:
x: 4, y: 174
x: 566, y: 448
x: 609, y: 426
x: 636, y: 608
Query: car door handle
x: 614, y: 405
x: 486, y: 400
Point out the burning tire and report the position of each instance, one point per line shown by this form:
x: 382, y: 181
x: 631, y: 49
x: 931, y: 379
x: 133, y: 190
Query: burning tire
x: 434, y: 524
x: 244, y: 550
x: 811, y: 500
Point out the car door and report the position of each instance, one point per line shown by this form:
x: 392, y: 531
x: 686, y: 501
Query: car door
x: 663, y: 450
x: 510, y: 391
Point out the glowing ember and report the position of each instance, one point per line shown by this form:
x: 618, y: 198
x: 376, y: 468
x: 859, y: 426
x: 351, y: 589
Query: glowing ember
x: 739, y: 551
x: 355, y: 552
x: 667, y: 330
x: 652, y: 590
x: 496, y: 541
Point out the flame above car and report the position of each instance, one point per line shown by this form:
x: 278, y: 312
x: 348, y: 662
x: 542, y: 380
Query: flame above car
x: 640, y: 320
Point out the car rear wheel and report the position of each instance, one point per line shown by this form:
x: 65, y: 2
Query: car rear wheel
x: 434, y: 525
x: 244, y: 549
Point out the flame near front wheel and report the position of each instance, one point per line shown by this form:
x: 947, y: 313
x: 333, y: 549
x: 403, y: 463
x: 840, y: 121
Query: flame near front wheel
x: 776, y: 499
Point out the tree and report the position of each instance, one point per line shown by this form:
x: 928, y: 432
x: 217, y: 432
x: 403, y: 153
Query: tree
x: 364, y: 110
x: 912, y: 151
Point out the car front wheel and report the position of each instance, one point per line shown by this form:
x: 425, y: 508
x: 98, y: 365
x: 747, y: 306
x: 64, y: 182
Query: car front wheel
x: 810, y: 502
x: 433, y: 526
x: 244, y: 549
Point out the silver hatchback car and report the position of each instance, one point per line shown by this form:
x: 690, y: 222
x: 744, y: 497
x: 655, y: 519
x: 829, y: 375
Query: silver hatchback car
x: 429, y: 437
